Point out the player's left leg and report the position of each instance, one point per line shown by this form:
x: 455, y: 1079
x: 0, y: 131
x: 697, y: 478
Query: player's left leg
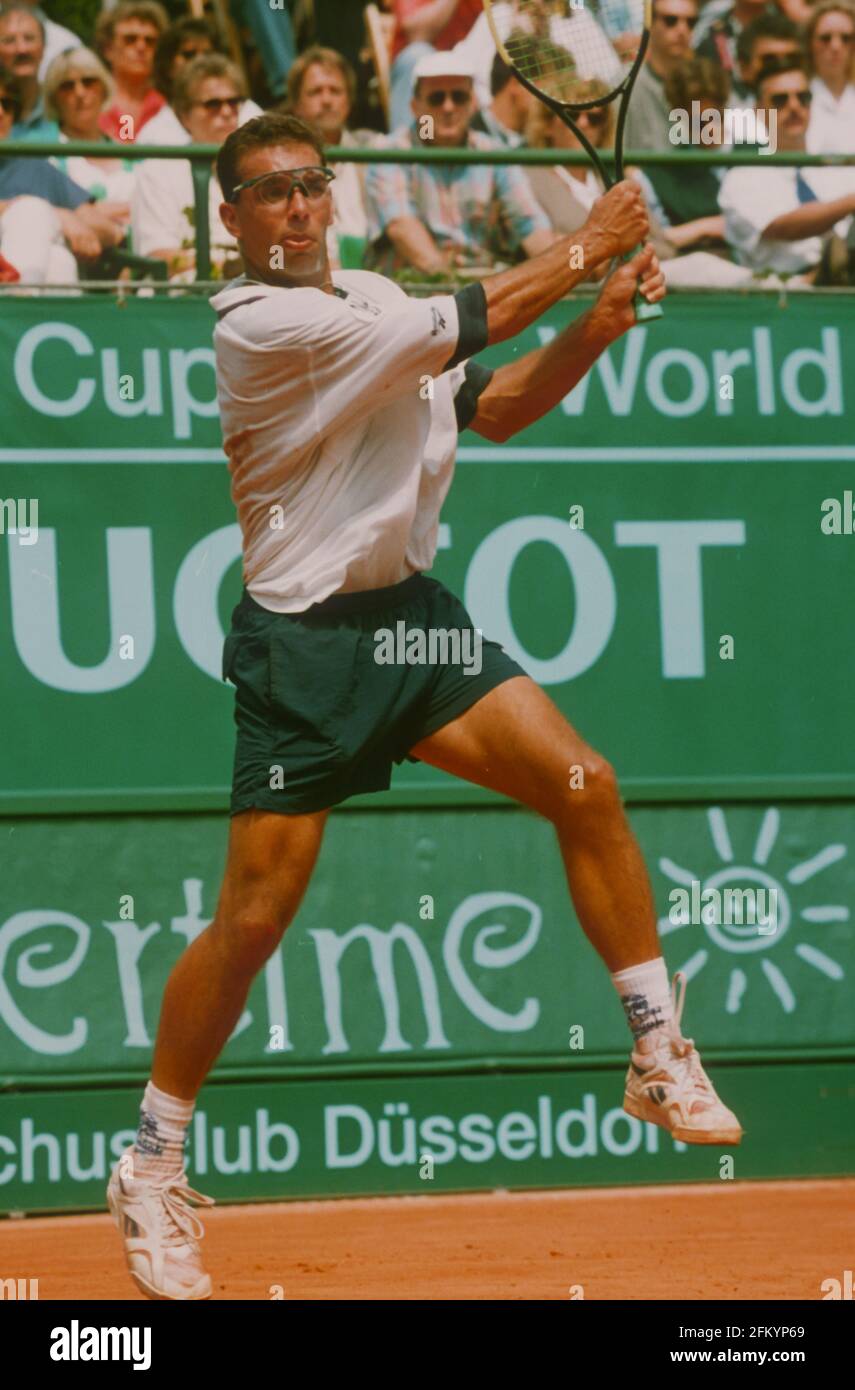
x: 515, y: 741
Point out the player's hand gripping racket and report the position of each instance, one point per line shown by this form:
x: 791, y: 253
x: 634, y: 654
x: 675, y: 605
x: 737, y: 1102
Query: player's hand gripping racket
x: 552, y: 45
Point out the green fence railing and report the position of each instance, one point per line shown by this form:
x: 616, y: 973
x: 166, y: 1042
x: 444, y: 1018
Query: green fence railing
x: 201, y: 158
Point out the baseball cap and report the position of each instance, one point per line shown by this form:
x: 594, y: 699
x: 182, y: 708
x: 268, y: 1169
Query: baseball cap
x: 442, y: 64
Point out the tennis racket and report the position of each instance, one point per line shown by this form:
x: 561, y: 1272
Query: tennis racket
x: 554, y: 45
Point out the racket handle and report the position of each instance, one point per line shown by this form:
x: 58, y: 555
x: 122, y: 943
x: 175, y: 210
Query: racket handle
x: 644, y: 312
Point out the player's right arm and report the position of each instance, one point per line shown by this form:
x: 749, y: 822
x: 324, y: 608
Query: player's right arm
x: 618, y: 222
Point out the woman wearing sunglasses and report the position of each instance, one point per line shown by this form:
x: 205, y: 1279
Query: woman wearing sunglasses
x: 830, y: 45
x: 77, y: 89
x: 546, y: 131
x: 209, y: 93
x: 567, y: 192
x: 47, y: 222
x: 186, y: 39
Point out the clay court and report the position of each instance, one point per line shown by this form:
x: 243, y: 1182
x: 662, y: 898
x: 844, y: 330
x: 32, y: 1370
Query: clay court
x: 775, y: 1240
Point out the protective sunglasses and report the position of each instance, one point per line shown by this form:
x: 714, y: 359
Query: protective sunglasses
x: 150, y: 40
x: 594, y: 118
x: 71, y: 82
x: 458, y: 96
x: 780, y: 99
x: 672, y: 20
x: 213, y: 104
x: 313, y: 180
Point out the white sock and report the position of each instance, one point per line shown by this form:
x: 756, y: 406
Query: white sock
x: 159, y: 1145
x: 646, y: 997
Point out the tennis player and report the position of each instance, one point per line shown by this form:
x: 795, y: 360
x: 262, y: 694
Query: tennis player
x: 341, y: 400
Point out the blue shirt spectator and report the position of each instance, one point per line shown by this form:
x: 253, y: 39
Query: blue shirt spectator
x: 39, y: 178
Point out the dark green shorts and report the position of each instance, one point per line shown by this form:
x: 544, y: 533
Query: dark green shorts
x: 319, y: 718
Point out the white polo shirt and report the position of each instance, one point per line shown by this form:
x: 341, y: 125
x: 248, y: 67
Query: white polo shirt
x: 832, y: 120
x: 340, y: 459
x: 751, y: 198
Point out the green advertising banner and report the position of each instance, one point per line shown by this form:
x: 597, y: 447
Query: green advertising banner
x: 425, y: 942
x: 417, y: 1135
x: 669, y: 554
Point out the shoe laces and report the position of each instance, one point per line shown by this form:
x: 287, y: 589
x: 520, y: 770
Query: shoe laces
x: 180, y: 1224
x: 683, y: 1049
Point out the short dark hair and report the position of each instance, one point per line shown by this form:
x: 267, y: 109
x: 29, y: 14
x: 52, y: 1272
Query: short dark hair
x: 774, y: 67
x: 765, y: 26
x: 189, y: 27
x: 10, y: 86
x: 273, y: 128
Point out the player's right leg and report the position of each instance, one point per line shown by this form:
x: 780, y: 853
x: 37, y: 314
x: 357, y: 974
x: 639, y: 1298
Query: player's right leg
x: 270, y: 861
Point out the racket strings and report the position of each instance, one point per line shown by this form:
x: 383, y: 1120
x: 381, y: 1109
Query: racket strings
x: 556, y: 45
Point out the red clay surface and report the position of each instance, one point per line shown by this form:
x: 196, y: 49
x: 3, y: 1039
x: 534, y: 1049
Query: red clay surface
x: 771, y: 1240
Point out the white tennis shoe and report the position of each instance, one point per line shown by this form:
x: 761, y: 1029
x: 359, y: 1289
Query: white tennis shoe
x: 161, y: 1233
x: 668, y: 1086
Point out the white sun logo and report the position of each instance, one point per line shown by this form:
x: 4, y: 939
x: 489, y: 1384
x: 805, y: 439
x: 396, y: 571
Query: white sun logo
x: 741, y: 939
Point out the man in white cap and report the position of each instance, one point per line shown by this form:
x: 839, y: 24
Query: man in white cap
x: 421, y: 27
x: 439, y: 216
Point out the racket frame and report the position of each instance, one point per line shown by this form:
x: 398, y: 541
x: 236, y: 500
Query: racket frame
x: 562, y: 110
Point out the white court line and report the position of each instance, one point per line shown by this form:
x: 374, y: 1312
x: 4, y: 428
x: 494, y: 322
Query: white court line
x: 176, y: 455
x: 771, y: 453
x: 643, y: 1193
x: 688, y: 453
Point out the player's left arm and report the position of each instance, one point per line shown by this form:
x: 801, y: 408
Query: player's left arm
x: 520, y: 392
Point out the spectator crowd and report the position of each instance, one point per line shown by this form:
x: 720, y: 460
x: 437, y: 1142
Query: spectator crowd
x: 144, y: 73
